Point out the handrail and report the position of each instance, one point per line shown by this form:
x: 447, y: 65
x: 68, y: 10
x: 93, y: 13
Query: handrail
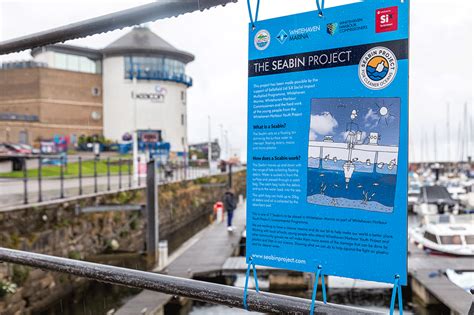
x: 109, y: 22
x: 193, y: 289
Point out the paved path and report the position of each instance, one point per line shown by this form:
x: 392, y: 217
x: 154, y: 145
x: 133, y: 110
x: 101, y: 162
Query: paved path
x: 204, y: 253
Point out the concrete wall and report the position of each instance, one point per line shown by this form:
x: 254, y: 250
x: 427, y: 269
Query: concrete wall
x: 55, y: 229
x: 119, y: 106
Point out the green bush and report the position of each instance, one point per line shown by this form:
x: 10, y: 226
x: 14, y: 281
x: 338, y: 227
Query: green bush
x: 74, y: 255
x: 7, y: 287
x: 20, y: 274
x: 134, y: 224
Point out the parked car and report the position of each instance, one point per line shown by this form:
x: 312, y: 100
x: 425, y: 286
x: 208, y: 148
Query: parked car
x: 17, y: 148
x: 5, y: 152
x: 29, y: 148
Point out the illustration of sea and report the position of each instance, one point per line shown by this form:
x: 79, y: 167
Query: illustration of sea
x: 353, y: 152
x: 366, y: 191
x: 376, y: 75
x: 332, y: 164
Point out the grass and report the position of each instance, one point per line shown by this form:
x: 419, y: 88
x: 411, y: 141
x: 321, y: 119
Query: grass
x: 72, y: 170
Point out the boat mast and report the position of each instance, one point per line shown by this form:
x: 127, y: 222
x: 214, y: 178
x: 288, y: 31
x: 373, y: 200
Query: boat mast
x: 448, y: 136
x: 471, y: 134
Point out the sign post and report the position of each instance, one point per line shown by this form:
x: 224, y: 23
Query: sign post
x: 328, y: 141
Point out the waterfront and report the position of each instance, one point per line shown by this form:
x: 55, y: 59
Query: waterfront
x: 133, y: 134
x: 98, y: 298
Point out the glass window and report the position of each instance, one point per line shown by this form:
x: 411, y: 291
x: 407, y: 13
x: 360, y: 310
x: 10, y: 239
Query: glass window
x: 451, y: 239
x: 469, y: 239
x: 154, y: 68
x: 72, y: 62
x: 430, y: 237
x: 60, y: 61
x: 76, y: 63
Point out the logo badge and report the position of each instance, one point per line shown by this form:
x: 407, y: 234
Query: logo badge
x: 160, y: 90
x: 331, y: 28
x: 377, y: 68
x: 262, y: 40
x: 282, y: 36
x: 386, y: 20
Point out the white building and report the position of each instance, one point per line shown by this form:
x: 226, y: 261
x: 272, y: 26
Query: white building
x: 156, y: 99
x: 144, y: 83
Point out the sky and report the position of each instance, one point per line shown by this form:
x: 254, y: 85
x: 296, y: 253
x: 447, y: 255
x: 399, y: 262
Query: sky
x: 440, y: 62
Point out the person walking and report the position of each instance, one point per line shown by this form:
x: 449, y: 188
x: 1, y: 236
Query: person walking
x: 229, y: 204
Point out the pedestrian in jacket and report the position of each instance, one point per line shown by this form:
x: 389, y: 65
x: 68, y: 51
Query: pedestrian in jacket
x: 230, y: 204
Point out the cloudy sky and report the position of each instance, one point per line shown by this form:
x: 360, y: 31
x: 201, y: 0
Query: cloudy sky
x: 440, y: 60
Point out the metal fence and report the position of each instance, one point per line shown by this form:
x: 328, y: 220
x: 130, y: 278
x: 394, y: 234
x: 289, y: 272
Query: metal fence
x: 49, y: 177
x: 198, y: 290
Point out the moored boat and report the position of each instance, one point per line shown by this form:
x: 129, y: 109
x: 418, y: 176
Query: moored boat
x: 446, y: 234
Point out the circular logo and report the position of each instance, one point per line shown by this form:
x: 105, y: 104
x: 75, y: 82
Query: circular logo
x: 160, y: 90
x: 377, y: 68
x: 262, y: 39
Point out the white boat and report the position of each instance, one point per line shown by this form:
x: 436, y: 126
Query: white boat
x: 467, y: 202
x: 433, y: 200
x: 463, y: 279
x: 456, y: 191
x: 425, y: 208
x: 414, y: 190
x: 446, y: 234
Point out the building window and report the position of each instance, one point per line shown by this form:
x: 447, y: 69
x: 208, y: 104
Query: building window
x: 23, y: 137
x: 76, y: 63
x: 183, y: 97
x: 182, y: 119
x: 155, y: 68
x: 182, y: 140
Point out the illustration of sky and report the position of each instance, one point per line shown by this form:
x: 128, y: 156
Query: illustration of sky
x: 332, y: 117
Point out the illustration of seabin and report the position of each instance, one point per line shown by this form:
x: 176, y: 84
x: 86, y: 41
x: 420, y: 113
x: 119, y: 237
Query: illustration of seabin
x: 350, y: 166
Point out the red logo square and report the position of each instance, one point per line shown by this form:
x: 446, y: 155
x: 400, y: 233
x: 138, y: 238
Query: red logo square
x: 386, y: 20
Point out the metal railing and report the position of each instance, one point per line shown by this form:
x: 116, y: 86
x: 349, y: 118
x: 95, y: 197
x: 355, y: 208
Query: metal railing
x: 197, y: 290
x: 51, y: 177
x: 109, y: 22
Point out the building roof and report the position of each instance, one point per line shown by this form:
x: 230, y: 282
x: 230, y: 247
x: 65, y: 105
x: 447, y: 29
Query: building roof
x: 141, y: 40
x: 93, y: 54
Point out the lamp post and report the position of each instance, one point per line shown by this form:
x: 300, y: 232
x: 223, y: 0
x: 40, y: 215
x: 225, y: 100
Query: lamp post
x: 222, y: 141
x: 227, y: 153
x: 134, y: 133
x: 209, y: 145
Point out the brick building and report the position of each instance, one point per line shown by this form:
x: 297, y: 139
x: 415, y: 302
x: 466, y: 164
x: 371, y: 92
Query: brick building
x: 38, y: 103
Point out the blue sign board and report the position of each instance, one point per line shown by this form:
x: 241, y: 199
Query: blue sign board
x: 328, y: 141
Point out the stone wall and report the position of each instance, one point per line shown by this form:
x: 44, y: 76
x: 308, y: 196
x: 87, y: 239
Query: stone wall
x: 54, y: 228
